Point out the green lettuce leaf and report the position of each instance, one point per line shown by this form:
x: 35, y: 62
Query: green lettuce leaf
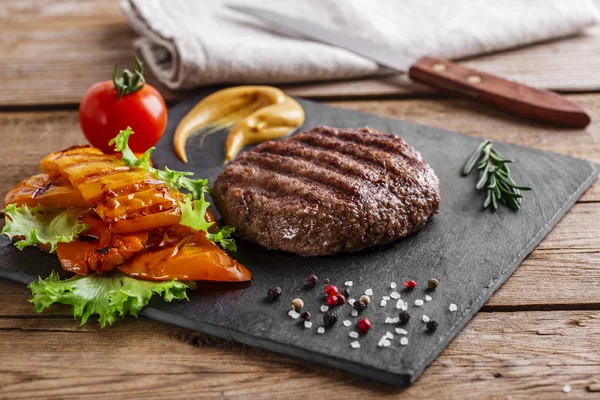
x: 109, y: 295
x: 42, y: 225
x: 193, y: 214
x: 194, y: 206
x: 174, y: 179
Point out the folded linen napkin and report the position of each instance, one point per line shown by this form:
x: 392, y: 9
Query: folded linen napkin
x: 190, y: 43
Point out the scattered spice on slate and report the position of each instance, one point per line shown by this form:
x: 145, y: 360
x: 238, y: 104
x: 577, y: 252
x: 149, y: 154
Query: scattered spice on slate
x: 306, y: 316
x: 355, y: 344
x: 393, y: 285
x: 321, y: 330
x: 347, y: 322
x: 401, y: 331
x: 324, y: 308
x: 383, y: 303
x: 425, y: 318
x: 345, y: 292
x: 293, y: 314
x: 389, y: 335
x: 432, y: 326
x: 433, y: 283
x: 341, y: 299
x: 353, y: 334
x: 274, y: 292
x: 354, y: 313
x: 359, y: 305
x: 312, y: 281
x: 307, y: 324
x: 364, y: 325
x: 348, y: 283
x: 404, y: 317
x: 332, y: 301
x: 369, y: 292
x: 404, y: 341
x: 453, y: 307
x: 297, y: 304
x: 399, y: 304
x: 410, y: 284
x: 418, y: 302
x: 331, y: 290
x: 395, y: 295
x: 365, y: 299
x: 428, y: 298
x: 351, y: 301
x: 330, y: 318
x: 386, y: 298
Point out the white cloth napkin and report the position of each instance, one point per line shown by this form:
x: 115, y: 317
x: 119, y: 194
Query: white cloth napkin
x: 190, y: 43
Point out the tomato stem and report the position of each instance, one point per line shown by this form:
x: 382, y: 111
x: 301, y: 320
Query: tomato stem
x: 129, y: 82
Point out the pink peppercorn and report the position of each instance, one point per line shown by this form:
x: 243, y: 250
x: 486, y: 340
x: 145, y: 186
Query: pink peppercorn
x: 331, y: 290
x: 410, y: 284
x: 364, y: 325
x: 332, y: 301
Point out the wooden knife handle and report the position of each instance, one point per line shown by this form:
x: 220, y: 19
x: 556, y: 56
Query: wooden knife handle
x: 505, y: 95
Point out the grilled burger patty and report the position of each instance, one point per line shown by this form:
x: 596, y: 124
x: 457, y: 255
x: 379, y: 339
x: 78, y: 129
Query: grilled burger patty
x: 327, y: 191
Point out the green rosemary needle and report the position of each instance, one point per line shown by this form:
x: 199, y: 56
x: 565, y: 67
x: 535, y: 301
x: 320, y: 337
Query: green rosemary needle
x: 494, y: 177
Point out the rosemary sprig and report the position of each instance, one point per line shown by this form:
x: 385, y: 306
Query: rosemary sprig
x: 494, y: 177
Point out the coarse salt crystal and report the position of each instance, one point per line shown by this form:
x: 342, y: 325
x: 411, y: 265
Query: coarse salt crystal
x: 428, y: 298
x: 389, y: 335
x: 388, y: 320
x: 307, y: 324
x: 383, y: 303
x: 347, y: 322
x: 425, y: 318
x: 354, y: 313
x: 321, y: 330
x: 387, y: 343
x: 355, y: 344
x: 351, y: 301
x: 401, y: 331
x: 399, y: 304
x: 395, y: 295
x: 386, y: 297
x: 404, y: 341
x: 349, y: 283
x: 369, y: 292
x: 381, y: 341
x: 418, y: 302
x: 293, y: 314
x: 395, y: 320
x: 567, y: 388
x: 324, y: 308
x: 453, y: 307
x: 404, y: 306
x: 393, y: 285
x: 353, y: 334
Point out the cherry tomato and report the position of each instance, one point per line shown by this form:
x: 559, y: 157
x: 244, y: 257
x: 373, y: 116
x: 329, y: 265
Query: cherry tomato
x: 102, y: 114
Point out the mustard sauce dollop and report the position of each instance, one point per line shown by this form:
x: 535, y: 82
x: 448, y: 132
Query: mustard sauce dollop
x: 254, y: 113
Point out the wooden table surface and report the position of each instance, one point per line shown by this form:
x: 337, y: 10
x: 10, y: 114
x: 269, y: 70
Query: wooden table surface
x: 539, y: 332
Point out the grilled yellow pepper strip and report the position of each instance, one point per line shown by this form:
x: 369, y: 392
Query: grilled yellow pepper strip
x: 254, y: 113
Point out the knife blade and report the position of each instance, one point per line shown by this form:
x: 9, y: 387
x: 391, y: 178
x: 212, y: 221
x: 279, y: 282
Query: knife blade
x: 508, y: 96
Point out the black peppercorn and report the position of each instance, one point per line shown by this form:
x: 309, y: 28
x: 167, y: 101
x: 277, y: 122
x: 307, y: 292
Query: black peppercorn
x: 330, y: 318
x: 432, y: 326
x: 305, y: 316
x: 404, y: 317
x: 274, y: 292
x: 346, y: 293
x: 360, y: 305
x: 312, y: 281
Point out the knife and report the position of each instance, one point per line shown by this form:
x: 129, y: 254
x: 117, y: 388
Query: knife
x: 502, y: 94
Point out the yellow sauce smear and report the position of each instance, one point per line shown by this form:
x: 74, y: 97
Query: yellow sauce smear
x: 254, y: 113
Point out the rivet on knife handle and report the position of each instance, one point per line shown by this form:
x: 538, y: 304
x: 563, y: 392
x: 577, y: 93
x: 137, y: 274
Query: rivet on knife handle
x: 508, y: 96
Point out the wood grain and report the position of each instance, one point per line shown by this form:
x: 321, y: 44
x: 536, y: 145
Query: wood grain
x: 53, y: 50
x: 496, y: 354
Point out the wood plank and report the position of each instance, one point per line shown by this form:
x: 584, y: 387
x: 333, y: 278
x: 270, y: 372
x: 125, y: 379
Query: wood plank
x: 54, y: 130
x: 496, y: 354
x: 52, y: 51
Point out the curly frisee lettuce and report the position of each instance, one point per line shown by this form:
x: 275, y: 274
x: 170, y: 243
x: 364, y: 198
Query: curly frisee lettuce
x: 194, y: 206
x: 109, y: 295
x: 42, y: 225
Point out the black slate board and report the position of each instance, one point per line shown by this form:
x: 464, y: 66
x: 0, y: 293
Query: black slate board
x: 472, y: 251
